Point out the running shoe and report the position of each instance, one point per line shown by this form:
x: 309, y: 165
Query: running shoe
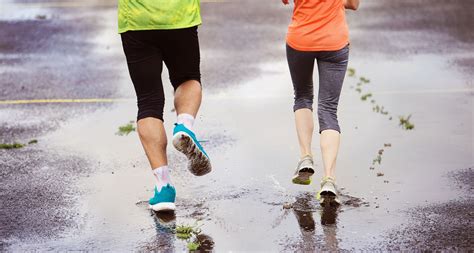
x: 304, y: 171
x: 328, y: 195
x: 164, y: 199
x: 184, y: 140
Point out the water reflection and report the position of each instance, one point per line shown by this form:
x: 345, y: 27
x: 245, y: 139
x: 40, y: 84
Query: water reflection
x: 329, y: 215
x: 166, y: 220
x: 206, y: 243
x: 304, y: 209
x: 329, y: 222
x: 165, y: 225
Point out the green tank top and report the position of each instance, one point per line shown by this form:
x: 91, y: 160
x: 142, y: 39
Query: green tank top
x: 157, y: 14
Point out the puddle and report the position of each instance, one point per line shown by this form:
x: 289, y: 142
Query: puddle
x: 253, y: 146
x: 243, y: 197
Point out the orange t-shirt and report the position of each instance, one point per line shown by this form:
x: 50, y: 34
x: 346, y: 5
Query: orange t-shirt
x: 318, y: 25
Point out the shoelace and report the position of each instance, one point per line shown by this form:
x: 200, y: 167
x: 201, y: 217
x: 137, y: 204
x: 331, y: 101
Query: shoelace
x: 200, y: 141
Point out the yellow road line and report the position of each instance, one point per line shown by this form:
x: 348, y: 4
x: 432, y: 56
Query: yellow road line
x: 46, y: 101
x: 78, y: 4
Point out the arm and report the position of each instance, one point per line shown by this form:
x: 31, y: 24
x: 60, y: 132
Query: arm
x: 351, y: 4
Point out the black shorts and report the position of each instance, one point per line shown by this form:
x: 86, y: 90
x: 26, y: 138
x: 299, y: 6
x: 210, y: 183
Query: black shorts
x: 146, y: 51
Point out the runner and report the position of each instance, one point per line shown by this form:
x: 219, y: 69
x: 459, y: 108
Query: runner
x: 153, y: 32
x: 318, y: 31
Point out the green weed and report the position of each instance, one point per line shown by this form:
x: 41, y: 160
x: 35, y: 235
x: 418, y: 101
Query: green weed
x: 380, y: 109
x: 193, y: 246
x: 378, y: 160
x: 366, y: 96
x: 126, y: 129
x: 16, y: 145
x: 187, y: 233
x: 364, y: 80
x: 11, y: 146
x: 351, y: 72
x: 376, y: 108
x: 405, y: 122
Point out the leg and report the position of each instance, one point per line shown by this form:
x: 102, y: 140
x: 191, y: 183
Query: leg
x: 187, y: 98
x: 329, y: 148
x: 145, y: 65
x: 144, y: 61
x: 332, y: 68
x: 153, y: 138
x: 304, y: 128
x: 182, y: 58
x: 301, y: 66
x: 183, y: 62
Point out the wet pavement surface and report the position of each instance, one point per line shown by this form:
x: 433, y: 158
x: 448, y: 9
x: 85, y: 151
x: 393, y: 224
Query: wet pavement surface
x: 83, y: 187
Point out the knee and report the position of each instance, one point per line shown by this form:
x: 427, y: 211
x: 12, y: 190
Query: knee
x: 327, y: 115
x: 303, y: 103
x: 327, y: 107
x: 151, y: 105
x: 191, y: 79
x: 151, y: 129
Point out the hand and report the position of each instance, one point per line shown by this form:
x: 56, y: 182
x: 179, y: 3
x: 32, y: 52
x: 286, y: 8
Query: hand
x: 351, y: 4
x: 285, y: 2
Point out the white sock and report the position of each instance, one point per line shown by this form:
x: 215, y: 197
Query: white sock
x: 186, y: 119
x: 162, y: 176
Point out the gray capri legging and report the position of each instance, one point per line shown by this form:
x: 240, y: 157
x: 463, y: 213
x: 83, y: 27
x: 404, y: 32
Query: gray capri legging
x: 332, y: 66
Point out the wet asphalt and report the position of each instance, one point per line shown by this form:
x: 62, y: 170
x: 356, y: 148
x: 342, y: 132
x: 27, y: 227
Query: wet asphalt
x: 82, y: 187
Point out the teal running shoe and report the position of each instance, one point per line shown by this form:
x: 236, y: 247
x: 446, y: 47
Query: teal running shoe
x: 184, y: 140
x: 164, y: 199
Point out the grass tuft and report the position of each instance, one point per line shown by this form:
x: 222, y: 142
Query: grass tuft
x: 366, y: 96
x: 11, y: 146
x: 193, y: 246
x: 351, y: 72
x: 405, y: 123
x: 126, y: 129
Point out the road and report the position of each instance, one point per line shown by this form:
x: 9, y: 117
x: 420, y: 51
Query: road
x: 83, y: 187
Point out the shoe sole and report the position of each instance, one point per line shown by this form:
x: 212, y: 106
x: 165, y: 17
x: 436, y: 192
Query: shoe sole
x: 163, y: 207
x: 198, y: 163
x: 303, y: 177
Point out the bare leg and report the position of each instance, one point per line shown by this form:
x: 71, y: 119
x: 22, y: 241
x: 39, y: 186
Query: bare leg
x: 304, y: 129
x: 187, y: 98
x: 187, y: 101
x: 330, y: 140
x: 153, y: 137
